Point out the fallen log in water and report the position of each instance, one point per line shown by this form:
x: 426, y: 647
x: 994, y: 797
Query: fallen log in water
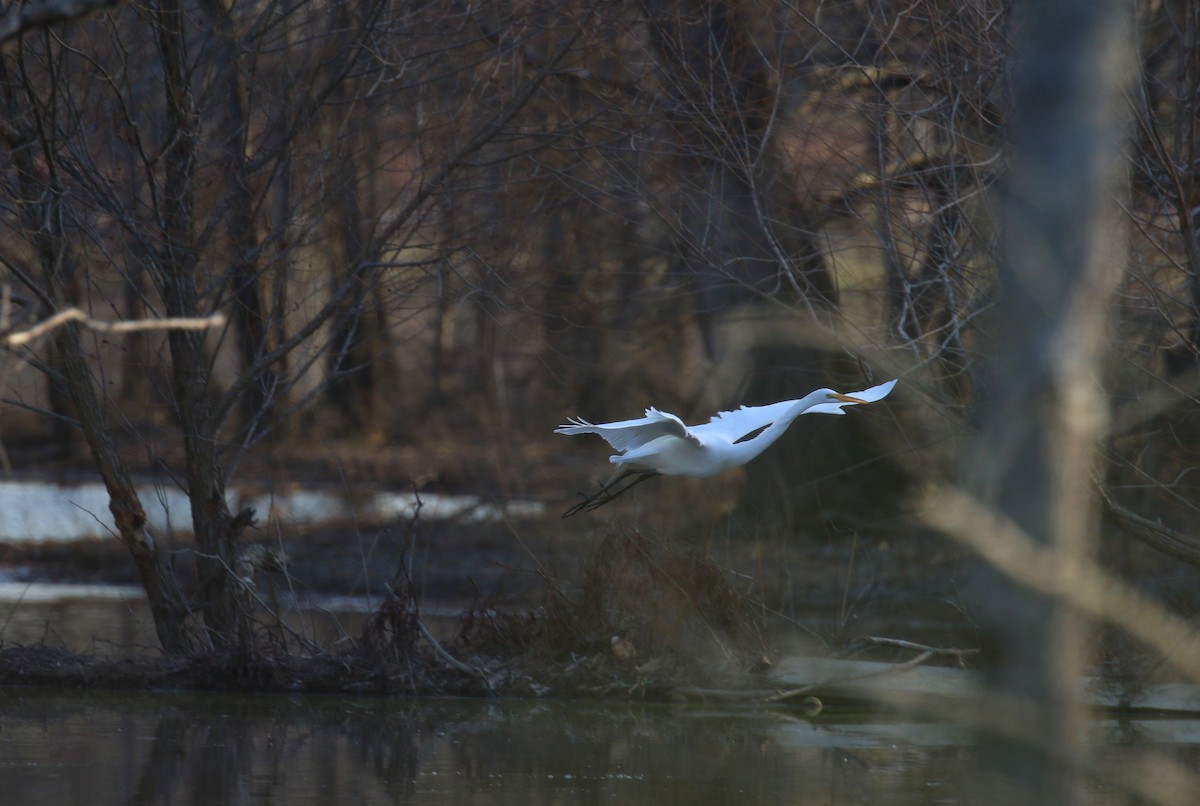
x: 871, y: 682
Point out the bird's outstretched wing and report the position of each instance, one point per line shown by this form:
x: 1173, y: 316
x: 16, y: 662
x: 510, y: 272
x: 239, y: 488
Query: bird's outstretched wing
x: 627, y: 434
x: 741, y: 422
x: 733, y: 425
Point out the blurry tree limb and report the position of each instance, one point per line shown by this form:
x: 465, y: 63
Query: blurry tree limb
x: 1041, y: 414
x: 865, y: 181
x: 1076, y: 580
x: 15, y: 308
x: 1157, y: 402
x: 1163, y: 538
x: 127, y: 326
x: 843, y: 80
x: 875, y: 640
x: 28, y: 17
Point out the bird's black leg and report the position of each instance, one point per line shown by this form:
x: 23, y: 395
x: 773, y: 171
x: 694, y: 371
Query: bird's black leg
x: 610, y: 491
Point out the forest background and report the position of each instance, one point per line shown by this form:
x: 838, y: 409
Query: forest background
x: 413, y: 238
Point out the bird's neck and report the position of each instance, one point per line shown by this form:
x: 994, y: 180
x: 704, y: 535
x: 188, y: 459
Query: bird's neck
x: 746, y: 450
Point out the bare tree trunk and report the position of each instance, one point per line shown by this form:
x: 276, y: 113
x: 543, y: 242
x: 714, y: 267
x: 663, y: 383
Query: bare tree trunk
x: 167, y: 604
x: 356, y: 340
x: 352, y: 379
x: 571, y: 323
x: 216, y: 532
x: 1043, y: 411
x: 248, y: 314
x: 63, y: 435
x: 360, y: 372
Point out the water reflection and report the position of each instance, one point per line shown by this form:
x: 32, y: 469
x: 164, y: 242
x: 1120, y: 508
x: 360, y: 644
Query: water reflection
x: 61, y: 747
x: 172, y: 748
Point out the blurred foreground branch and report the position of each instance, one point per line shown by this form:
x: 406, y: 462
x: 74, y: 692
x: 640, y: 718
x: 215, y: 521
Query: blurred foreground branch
x: 1144, y: 775
x: 55, y: 11
x: 1078, y: 581
x: 1163, y: 538
x: 125, y: 326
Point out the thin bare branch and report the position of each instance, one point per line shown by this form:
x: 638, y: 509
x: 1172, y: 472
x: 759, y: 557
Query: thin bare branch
x: 61, y: 318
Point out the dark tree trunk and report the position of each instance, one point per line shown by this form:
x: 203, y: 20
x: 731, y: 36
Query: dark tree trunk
x: 247, y: 311
x: 351, y: 390
x: 225, y: 616
x: 167, y: 604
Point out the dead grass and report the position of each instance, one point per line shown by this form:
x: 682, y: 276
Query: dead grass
x: 648, y: 616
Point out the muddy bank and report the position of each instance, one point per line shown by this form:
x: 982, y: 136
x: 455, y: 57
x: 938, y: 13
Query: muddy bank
x: 530, y: 608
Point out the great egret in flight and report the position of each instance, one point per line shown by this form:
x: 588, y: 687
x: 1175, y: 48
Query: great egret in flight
x: 659, y: 444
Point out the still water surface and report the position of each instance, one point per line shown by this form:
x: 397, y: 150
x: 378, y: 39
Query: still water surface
x: 70, y: 747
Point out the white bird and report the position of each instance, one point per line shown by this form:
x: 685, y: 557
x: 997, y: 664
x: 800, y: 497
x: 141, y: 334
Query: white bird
x: 659, y: 444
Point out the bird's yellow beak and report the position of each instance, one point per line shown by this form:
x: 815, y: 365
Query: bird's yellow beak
x: 846, y: 398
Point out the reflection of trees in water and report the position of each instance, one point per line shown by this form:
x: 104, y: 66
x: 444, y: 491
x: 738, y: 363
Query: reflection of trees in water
x: 172, y: 748
x: 238, y: 752
x: 219, y: 749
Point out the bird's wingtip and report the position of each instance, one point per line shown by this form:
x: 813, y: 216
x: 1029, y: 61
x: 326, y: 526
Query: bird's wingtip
x: 877, y: 392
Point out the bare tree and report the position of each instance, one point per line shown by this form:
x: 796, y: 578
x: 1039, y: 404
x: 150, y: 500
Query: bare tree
x: 177, y: 190
x: 30, y: 138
